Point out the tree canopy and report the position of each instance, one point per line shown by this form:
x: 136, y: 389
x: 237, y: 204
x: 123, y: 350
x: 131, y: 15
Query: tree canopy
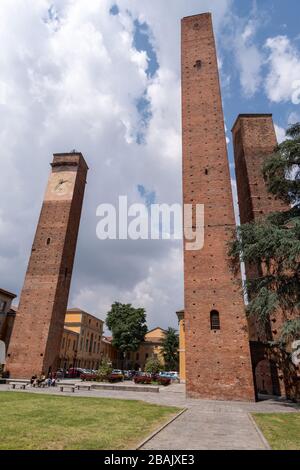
x: 153, y: 365
x: 273, y: 243
x: 128, y: 326
x: 170, y: 347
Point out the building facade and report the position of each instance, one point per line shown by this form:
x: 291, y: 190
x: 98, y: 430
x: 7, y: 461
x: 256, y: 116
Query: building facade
x: 7, y: 319
x: 68, y: 350
x: 150, y: 347
x: 110, y: 353
x: 218, y: 363
x: 81, y: 341
x: 39, y: 325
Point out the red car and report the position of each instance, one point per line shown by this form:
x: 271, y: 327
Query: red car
x: 74, y: 373
x: 88, y: 376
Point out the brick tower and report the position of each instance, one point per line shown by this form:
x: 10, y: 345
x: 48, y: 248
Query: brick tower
x: 218, y: 364
x: 38, y: 329
x: 254, y: 139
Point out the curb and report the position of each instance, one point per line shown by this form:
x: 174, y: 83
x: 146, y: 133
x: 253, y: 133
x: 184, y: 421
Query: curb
x: 259, y: 432
x: 141, y: 444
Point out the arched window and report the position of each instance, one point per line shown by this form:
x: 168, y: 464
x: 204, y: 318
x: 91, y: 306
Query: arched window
x: 214, y: 320
x: 48, y: 241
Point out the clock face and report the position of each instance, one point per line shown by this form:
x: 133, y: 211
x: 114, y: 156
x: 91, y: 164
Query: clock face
x: 61, y: 185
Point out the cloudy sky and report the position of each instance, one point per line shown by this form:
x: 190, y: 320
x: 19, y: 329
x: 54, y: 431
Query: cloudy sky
x: 104, y: 78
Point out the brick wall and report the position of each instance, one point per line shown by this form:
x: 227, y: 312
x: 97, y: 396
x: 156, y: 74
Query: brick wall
x: 254, y: 140
x: 218, y: 364
x: 39, y: 325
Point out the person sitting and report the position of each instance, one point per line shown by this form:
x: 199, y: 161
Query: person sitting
x: 32, y: 380
x: 41, y: 379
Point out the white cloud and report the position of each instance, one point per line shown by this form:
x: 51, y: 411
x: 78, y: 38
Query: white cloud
x: 71, y: 79
x: 280, y: 133
x: 294, y: 117
x: 283, y: 79
x: 248, y: 57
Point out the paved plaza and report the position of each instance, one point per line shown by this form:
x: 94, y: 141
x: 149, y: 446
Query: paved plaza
x: 204, y: 425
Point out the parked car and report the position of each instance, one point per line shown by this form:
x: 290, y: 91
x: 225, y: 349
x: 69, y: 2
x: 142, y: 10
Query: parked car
x: 170, y: 375
x: 60, y: 373
x: 128, y: 374
x: 116, y: 376
x: 88, y: 375
x: 75, y: 372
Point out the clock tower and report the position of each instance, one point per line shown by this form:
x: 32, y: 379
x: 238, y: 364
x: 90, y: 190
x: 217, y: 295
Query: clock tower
x: 38, y: 329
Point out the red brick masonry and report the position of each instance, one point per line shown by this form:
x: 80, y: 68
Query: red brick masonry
x: 218, y: 364
x: 39, y: 323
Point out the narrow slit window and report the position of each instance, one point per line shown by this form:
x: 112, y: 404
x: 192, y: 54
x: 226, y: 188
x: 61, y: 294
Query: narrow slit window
x: 215, y: 320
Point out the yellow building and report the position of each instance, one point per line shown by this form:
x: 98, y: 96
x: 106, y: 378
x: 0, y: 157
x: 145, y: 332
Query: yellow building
x: 180, y: 315
x: 7, y: 318
x: 108, y: 352
x: 68, y: 349
x: 150, y: 347
x: 81, y: 343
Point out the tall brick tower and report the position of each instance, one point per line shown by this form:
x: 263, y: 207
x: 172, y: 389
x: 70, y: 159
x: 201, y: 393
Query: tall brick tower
x: 218, y: 364
x: 38, y: 329
x: 254, y: 139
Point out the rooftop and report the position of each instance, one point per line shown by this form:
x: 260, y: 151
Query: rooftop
x: 7, y: 293
x: 257, y: 115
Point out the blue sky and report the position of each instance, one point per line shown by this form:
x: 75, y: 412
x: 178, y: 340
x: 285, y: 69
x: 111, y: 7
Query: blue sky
x: 272, y: 18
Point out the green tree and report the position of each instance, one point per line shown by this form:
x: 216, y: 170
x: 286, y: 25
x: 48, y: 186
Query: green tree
x: 128, y: 327
x: 170, y: 347
x: 272, y: 245
x: 153, y: 365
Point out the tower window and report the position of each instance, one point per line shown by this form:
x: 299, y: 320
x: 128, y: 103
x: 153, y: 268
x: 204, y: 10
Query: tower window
x: 48, y: 241
x: 214, y: 320
x: 198, y: 64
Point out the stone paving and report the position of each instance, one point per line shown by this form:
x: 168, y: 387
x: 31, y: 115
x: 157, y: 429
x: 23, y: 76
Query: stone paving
x: 204, y: 425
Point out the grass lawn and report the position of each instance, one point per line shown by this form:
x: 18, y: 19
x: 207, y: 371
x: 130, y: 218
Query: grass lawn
x: 40, y: 421
x: 282, y: 430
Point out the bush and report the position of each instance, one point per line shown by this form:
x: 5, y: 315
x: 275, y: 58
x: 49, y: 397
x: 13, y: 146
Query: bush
x: 147, y: 379
x: 104, y: 370
x: 142, y: 379
x: 153, y: 365
x: 163, y: 381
